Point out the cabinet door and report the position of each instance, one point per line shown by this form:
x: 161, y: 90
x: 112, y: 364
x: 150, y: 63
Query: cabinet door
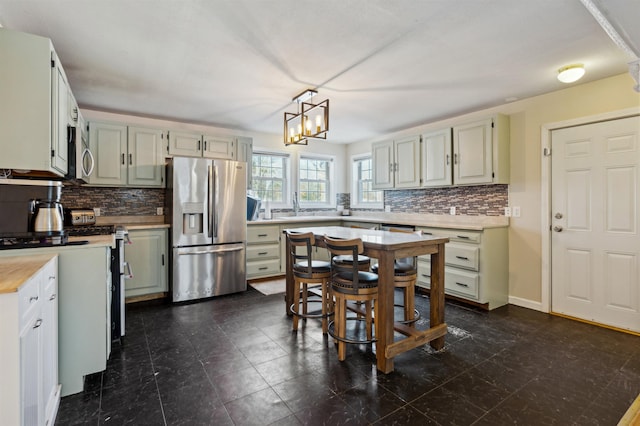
x: 147, y: 257
x: 60, y: 117
x: 383, y: 164
x: 473, y: 153
x: 223, y: 147
x: 244, y: 152
x: 30, y: 371
x: 407, y: 162
x: 437, y: 160
x: 145, y: 157
x: 187, y: 144
x: 50, y: 337
x: 108, y: 143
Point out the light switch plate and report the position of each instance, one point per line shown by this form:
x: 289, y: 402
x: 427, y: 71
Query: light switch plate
x: 96, y: 211
x: 159, y: 211
x: 507, y: 211
x: 387, y: 209
x: 516, y: 211
x: 452, y: 211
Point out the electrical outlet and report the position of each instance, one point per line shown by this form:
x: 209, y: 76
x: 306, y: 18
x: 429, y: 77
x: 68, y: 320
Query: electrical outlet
x: 96, y: 211
x: 159, y: 211
x: 516, y: 211
x: 452, y: 211
x: 387, y: 209
x: 507, y: 211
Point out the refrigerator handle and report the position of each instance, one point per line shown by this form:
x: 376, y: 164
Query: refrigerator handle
x: 210, y: 201
x: 216, y: 191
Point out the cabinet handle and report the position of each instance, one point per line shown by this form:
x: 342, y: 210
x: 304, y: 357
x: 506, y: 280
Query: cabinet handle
x: 390, y: 167
x: 33, y: 299
x: 163, y: 260
x: 53, y: 297
x: 462, y: 257
x: 130, y: 159
x: 447, y: 159
x: 263, y: 268
x: 199, y: 145
x: 427, y: 233
x: 38, y: 323
x: 455, y: 158
x: 462, y: 237
x: 426, y: 276
x: 462, y: 284
x: 205, y: 145
x: 123, y: 159
x: 262, y: 235
x: 262, y: 253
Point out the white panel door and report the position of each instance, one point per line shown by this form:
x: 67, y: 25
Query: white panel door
x: 145, y: 157
x: 595, y: 245
x: 407, y: 162
x: 383, y: 164
x: 473, y: 153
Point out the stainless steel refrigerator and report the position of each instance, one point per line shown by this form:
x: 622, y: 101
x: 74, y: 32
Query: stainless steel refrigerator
x: 206, y: 201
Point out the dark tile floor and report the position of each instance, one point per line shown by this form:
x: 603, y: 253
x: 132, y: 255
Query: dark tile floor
x: 233, y: 360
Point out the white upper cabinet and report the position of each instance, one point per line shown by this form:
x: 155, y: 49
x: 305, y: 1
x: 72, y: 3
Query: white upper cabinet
x: 244, y: 152
x: 481, y: 151
x: 33, y: 104
x: 196, y: 145
x: 437, y: 158
x: 127, y: 156
x: 396, y: 164
x: 223, y: 147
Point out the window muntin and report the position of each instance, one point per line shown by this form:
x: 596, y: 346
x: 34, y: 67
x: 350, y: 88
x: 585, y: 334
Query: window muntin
x: 314, y: 183
x: 364, y: 194
x: 270, y: 172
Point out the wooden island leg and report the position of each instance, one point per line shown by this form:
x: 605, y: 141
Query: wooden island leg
x: 384, y: 324
x: 436, y: 301
x: 288, y: 294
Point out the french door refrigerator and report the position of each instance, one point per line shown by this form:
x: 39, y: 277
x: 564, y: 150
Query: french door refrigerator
x: 207, y: 205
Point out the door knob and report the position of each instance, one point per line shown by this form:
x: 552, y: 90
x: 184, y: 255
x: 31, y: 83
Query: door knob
x: 557, y: 228
x: 558, y: 216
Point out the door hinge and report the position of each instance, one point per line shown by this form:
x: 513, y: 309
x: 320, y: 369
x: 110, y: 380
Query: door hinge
x: 53, y: 63
x: 53, y: 152
x: 493, y: 124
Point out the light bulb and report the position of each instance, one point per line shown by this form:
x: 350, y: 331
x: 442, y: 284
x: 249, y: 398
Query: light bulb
x: 318, y: 123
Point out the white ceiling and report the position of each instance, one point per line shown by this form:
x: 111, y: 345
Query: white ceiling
x: 385, y: 65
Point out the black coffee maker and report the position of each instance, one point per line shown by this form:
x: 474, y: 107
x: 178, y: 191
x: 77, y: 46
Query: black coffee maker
x: 31, y: 209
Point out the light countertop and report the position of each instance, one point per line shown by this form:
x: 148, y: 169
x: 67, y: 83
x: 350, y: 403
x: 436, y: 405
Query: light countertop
x: 473, y: 223
x: 16, y: 270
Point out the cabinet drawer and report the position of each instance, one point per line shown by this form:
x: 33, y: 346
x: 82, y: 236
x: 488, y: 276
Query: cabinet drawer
x: 457, y: 282
x: 454, y: 235
x: 263, y: 234
x: 263, y: 267
x: 29, y: 296
x: 462, y: 255
x: 263, y: 251
x: 462, y: 283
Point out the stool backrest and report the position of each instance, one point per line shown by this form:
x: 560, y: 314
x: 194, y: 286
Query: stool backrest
x: 340, y: 247
x: 301, y: 257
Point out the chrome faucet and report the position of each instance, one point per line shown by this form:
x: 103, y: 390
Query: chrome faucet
x: 296, y: 204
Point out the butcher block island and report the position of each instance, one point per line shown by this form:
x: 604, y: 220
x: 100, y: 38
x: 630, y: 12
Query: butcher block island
x: 29, y: 386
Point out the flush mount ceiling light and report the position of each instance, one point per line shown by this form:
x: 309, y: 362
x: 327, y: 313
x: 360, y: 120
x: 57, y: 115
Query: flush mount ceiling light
x: 310, y: 122
x: 571, y: 73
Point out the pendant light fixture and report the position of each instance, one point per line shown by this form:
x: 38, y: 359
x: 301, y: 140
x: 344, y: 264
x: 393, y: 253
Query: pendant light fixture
x: 310, y: 122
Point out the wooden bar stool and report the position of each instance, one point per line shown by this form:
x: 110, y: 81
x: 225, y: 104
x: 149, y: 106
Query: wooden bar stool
x: 308, y: 273
x: 349, y: 284
x: 405, y: 276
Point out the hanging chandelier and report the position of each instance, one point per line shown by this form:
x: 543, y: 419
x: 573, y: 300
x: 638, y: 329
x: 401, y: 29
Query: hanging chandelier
x: 310, y: 122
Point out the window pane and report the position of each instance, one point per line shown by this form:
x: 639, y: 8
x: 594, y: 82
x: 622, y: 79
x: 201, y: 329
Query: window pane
x: 269, y: 176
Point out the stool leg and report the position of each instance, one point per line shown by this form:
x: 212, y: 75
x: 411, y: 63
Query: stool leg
x: 409, y: 303
x: 324, y: 306
x: 296, y: 306
x: 368, y: 319
x: 342, y: 321
x: 304, y: 299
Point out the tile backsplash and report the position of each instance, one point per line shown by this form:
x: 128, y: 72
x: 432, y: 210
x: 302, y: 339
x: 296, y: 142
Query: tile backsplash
x: 483, y: 200
x: 115, y: 201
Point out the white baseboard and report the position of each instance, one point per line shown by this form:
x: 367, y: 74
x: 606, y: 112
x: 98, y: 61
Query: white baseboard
x: 526, y: 303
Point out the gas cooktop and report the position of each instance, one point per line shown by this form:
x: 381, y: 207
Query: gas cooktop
x: 84, y: 231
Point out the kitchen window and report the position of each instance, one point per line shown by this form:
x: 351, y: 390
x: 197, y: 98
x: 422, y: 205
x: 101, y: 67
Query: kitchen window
x: 314, y: 183
x: 362, y: 184
x: 270, y: 174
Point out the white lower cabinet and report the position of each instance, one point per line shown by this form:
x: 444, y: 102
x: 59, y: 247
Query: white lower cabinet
x: 29, y: 390
x: 147, y: 257
x: 476, y: 265
x: 263, y: 251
